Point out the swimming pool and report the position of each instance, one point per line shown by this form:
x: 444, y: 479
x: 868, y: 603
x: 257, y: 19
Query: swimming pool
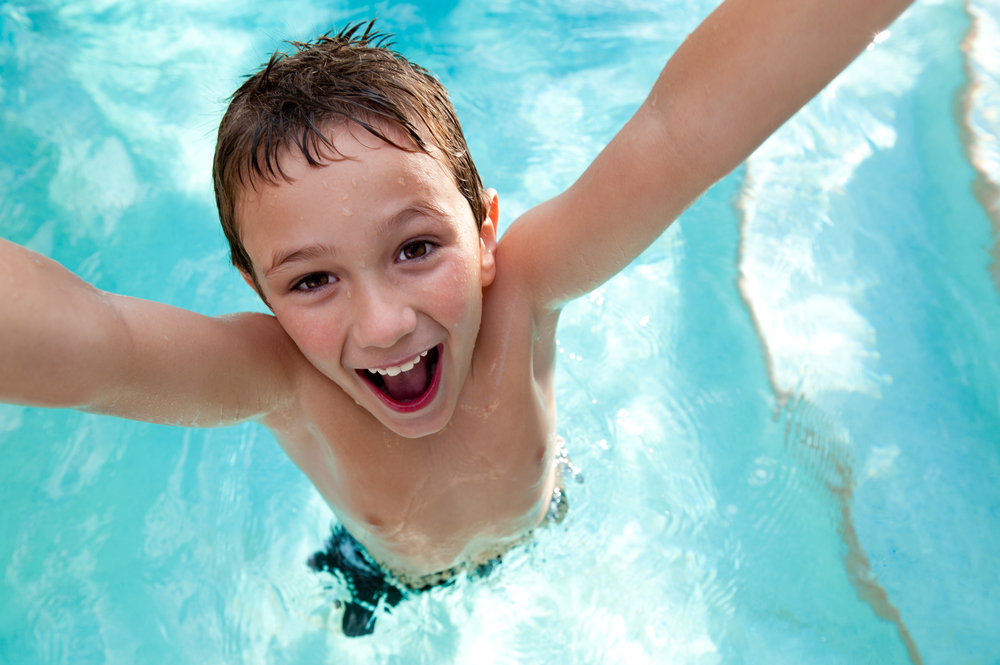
x: 787, y: 411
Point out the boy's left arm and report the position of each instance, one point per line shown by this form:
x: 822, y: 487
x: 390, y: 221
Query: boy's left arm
x: 737, y: 78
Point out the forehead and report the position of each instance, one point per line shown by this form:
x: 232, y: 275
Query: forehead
x: 355, y: 151
x: 369, y: 181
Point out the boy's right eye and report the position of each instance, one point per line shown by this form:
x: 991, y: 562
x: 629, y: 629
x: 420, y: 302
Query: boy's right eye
x: 314, y: 281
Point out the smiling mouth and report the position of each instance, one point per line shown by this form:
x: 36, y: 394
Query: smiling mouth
x: 410, y: 389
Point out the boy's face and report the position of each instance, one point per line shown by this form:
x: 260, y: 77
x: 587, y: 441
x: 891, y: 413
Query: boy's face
x: 374, y: 263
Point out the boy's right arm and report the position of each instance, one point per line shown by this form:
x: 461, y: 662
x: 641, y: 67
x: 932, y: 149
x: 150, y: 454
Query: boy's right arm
x: 64, y: 343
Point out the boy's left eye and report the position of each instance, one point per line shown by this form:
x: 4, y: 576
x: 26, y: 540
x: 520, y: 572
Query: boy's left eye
x: 414, y: 250
x: 313, y: 282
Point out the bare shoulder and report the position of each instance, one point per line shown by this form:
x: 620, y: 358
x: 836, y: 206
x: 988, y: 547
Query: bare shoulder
x: 515, y: 328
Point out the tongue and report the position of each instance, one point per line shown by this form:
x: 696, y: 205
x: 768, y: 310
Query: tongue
x: 408, y: 385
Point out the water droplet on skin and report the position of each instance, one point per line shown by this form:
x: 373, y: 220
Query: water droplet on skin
x: 402, y: 182
x: 325, y: 186
x: 652, y: 102
x: 365, y: 177
x: 348, y: 295
x: 345, y: 197
x: 354, y: 182
x: 346, y: 212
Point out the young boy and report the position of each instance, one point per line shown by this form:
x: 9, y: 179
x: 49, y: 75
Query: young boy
x: 408, y: 365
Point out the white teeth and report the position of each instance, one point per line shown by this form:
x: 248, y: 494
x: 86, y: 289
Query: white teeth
x: 399, y: 369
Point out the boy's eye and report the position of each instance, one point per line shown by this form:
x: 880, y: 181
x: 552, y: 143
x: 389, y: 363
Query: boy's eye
x: 312, y: 282
x: 414, y: 250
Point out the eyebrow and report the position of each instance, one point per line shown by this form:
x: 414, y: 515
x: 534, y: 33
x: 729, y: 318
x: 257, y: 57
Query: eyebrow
x: 382, y: 229
x: 388, y: 225
x: 295, y: 255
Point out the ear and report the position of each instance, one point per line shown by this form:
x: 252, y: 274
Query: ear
x: 488, y: 239
x: 492, y: 207
x: 249, y: 280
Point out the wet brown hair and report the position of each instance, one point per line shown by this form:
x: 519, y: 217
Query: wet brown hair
x: 292, y: 102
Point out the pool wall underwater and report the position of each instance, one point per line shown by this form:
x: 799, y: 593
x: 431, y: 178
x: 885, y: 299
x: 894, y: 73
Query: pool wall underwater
x: 786, y: 411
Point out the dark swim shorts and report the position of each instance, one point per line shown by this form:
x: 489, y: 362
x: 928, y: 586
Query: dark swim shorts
x: 368, y: 583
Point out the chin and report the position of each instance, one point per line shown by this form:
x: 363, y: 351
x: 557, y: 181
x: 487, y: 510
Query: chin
x: 420, y: 425
x: 415, y: 430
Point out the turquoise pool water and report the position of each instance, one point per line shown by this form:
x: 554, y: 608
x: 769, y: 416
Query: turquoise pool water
x: 787, y: 411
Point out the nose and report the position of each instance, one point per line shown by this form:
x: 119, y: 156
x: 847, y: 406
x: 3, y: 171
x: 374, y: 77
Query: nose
x: 382, y: 317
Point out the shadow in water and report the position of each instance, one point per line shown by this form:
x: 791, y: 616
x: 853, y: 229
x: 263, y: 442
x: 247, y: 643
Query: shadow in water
x: 814, y: 442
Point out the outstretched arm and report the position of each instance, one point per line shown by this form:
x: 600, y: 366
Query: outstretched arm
x: 64, y: 343
x: 747, y: 69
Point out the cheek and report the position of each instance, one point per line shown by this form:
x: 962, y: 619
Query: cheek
x: 458, y: 294
x: 315, y: 332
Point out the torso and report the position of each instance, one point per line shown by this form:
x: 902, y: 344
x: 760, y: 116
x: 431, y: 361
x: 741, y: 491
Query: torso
x: 457, y: 496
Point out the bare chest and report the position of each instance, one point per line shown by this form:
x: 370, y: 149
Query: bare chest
x: 427, y: 502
